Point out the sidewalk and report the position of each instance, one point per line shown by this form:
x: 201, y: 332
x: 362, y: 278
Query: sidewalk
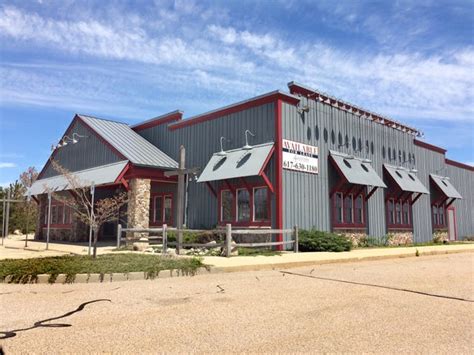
x: 14, y: 248
x: 288, y: 260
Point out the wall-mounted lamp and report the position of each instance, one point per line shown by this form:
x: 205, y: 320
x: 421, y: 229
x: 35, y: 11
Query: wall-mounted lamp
x: 222, y: 152
x: 303, y: 109
x: 247, y: 146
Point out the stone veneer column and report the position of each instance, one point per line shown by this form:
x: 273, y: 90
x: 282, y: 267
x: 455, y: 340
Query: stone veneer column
x: 139, y: 208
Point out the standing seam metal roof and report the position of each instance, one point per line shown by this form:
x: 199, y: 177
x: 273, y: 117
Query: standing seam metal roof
x: 129, y: 143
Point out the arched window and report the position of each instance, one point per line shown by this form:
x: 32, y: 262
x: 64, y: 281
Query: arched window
x: 325, y: 134
x: 383, y: 152
x: 316, y: 132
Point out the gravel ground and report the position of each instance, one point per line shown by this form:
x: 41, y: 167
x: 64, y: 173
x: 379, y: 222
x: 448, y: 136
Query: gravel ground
x: 266, y: 311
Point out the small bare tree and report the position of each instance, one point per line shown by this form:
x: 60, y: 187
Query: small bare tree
x: 80, y: 201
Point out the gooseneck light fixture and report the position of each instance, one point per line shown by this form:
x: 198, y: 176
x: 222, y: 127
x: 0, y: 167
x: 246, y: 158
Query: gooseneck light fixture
x: 247, y: 146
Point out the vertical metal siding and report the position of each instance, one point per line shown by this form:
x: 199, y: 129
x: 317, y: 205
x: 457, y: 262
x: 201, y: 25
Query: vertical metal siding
x: 306, y: 196
x: 88, y: 152
x: 202, y: 140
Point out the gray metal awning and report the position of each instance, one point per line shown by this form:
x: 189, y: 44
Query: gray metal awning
x: 237, y: 163
x: 105, y: 174
x: 445, y: 186
x: 356, y: 170
x: 406, y: 180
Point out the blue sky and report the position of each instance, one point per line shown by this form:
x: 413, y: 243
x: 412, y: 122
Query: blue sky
x: 133, y: 60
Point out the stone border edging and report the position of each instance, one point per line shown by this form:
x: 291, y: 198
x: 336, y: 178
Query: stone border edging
x: 209, y: 269
x: 112, y: 277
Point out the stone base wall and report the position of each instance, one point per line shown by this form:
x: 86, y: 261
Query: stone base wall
x: 355, y: 236
x: 400, y: 238
x: 138, y: 208
x: 441, y: 236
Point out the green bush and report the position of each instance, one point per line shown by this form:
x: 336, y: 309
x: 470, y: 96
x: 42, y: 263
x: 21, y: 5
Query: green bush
x: 314, y: 240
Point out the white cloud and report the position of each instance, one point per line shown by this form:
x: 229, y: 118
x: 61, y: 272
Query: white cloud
x: 7, y: 165
x: 224, y: 63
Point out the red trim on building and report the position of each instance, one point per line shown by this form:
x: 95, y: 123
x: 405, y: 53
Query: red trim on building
x: 161, y: 195
x: 147, y: 173
x: 257, y: 101
x: 458, y: 164
x: 429, y: 146
x: 250, y: 187
x: 166, y: 118
x: 279, y: 171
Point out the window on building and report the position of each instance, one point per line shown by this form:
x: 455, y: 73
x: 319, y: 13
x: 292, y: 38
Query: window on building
x: 339, y: 138
x: 338, y: 208
x: 333, y: 137
x: 243, y: 205
x: 348, y: 211
x: 61, y: 214
x: 325, y: 134
x: 162, y: 209
x: 390, y: 211
x: 439, y: 215
x: 398, y: 213
x: 260, y: 200
x: 316, y: 132
x: 372, y: 149
x: 227, y: 201
x: 358, y: 210
x: 158, y: 218
x: 389, y: 154
x: 250, y: 207
x: 406, y: 213
x: 359, y: 145
x: 383, y: 152
x: 168, y: 209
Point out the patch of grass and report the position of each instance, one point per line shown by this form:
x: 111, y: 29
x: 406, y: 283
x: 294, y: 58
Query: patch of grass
x: 26, y: 270
x: 257, y: 251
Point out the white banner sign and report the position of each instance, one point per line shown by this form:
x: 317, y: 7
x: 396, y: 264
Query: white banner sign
x: 300, y: 157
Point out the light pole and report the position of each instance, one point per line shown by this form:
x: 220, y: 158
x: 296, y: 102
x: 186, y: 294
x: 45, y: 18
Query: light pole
x: 49, y: 220
x: 92, y: 218
x: 28, y: 199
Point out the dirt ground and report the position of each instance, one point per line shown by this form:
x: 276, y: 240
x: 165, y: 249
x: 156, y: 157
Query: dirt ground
x: 406, y: 305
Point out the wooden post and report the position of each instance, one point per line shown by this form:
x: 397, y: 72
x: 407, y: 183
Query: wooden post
x: 228, y: 239
x: 180, y: 198
x: 296, y: 239
x: 119, y: 234
x: 165, y: 240
x: 49, y: 220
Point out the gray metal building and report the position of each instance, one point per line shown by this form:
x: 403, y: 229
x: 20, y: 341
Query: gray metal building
x: 307, y: 159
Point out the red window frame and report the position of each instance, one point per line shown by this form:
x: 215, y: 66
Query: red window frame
x: 66, y: 220
x: 437, y: 224
x: 398, y: 206
x: 162, y: 196
x: 352, y: 224
x: 252, y: 222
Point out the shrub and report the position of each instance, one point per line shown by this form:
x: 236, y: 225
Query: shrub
x: 370, y: 242
x: 314, y: 240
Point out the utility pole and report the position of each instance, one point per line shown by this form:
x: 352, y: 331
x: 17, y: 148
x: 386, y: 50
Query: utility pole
x: 7, y: 217
x: 182, y: 172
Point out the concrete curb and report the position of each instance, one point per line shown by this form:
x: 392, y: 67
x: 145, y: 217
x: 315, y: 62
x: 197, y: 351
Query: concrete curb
x: 294, y: 264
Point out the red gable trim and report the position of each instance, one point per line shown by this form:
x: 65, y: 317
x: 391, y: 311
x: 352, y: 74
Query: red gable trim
x: 68, y: 129
x: 166, y: 118
x: 459, y: 165
x: 429, y: 146
x: 240, y: 106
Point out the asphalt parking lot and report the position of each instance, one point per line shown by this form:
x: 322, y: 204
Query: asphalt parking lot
x: 409, y: 305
